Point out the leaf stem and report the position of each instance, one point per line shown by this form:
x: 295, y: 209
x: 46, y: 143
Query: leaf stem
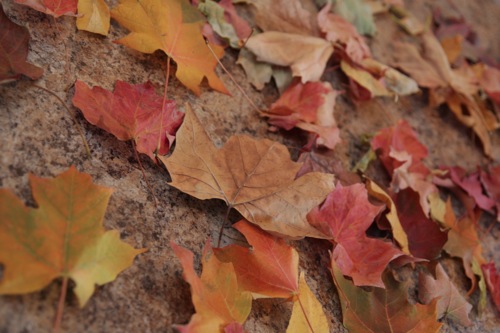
x: 77, y: 125
x: 234, y: 81
x: 305, y: 314
x: 60, y: 305
x: 221, y: 231
x: 144, y: 173
x: 167, y: 76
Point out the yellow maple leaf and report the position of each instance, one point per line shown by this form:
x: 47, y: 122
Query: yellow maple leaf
x: 63, y: 237
x: 174, y: 27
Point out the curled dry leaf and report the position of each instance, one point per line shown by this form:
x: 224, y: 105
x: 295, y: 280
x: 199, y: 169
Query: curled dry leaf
x: 173, y: 26
x: 14, y: 41
x: 450, y: 302
x: 225, y: 21
x: 258, y: 73
x: 463, y: 242
x: 456, y: 87
x: 63, y: 237
x: 270, y: 268
x: 392, y: 215
x: 256, y: 177
x: 306, y: 55
x: 394, y: 80
x: 493, y: 282
x: 131, y: 112
x: 216, y: 296
x: 383, y: 310
x: 338, y: 30
x: 400, y: 138
x: 490, y: 82
x: 491, y: 183
x: 308, y: 106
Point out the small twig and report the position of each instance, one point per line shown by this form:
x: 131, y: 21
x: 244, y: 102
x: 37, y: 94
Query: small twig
x: 77, y: 125
x: 232, y: 79
x: 144, y: 174
x: 60, y: 305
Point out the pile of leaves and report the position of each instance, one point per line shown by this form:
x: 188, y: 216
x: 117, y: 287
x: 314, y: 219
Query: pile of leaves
x: 374, y: 228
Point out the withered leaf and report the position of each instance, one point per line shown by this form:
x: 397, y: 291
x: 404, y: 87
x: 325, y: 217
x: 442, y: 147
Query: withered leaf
x: 383, y: 310
x: 14, y: 51
x: 450, y: 302
x: 256, y: 177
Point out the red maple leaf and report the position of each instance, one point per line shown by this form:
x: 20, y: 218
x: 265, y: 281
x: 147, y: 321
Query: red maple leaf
x: 131, y: 112
x: 345, y: 215
x: 55, y: 8
x: 491, y: 183
x: 400, y: 138
x: 308, y: 106
x: 493, y: 281
x: 471, y: 184
x: 425, y: 238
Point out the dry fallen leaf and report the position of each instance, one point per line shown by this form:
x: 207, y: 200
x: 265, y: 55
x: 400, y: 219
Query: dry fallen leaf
x: 338, y: 30
x: 493, y: 282
x: 308, y: 106
x: 256, y: 177
x: 291, y: 16
x: 173, y: 26
x: 345, y: 217
x: 55, y: 8
x: 270, y: 268
x: 216, y: 296
x: 131, y: 112
x: 14, y: 51
x: 307, y: 313
x: 63, y: 237
x: 456, y: 87
x: 93, y: 16
x: 392, y: 215
x: 383, y: 310
x: 425, y: 237
x: 450, y: 302
x: 306, y: 55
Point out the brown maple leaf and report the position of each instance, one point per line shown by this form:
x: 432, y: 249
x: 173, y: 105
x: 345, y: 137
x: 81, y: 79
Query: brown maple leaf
x: 256, y: 177
x: 14, y: 51
x: 450, y: 302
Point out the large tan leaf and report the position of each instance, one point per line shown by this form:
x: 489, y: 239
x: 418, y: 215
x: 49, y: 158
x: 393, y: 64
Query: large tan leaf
x: 292, y: 16
x: 306, y: 55
x: 256, y: 177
